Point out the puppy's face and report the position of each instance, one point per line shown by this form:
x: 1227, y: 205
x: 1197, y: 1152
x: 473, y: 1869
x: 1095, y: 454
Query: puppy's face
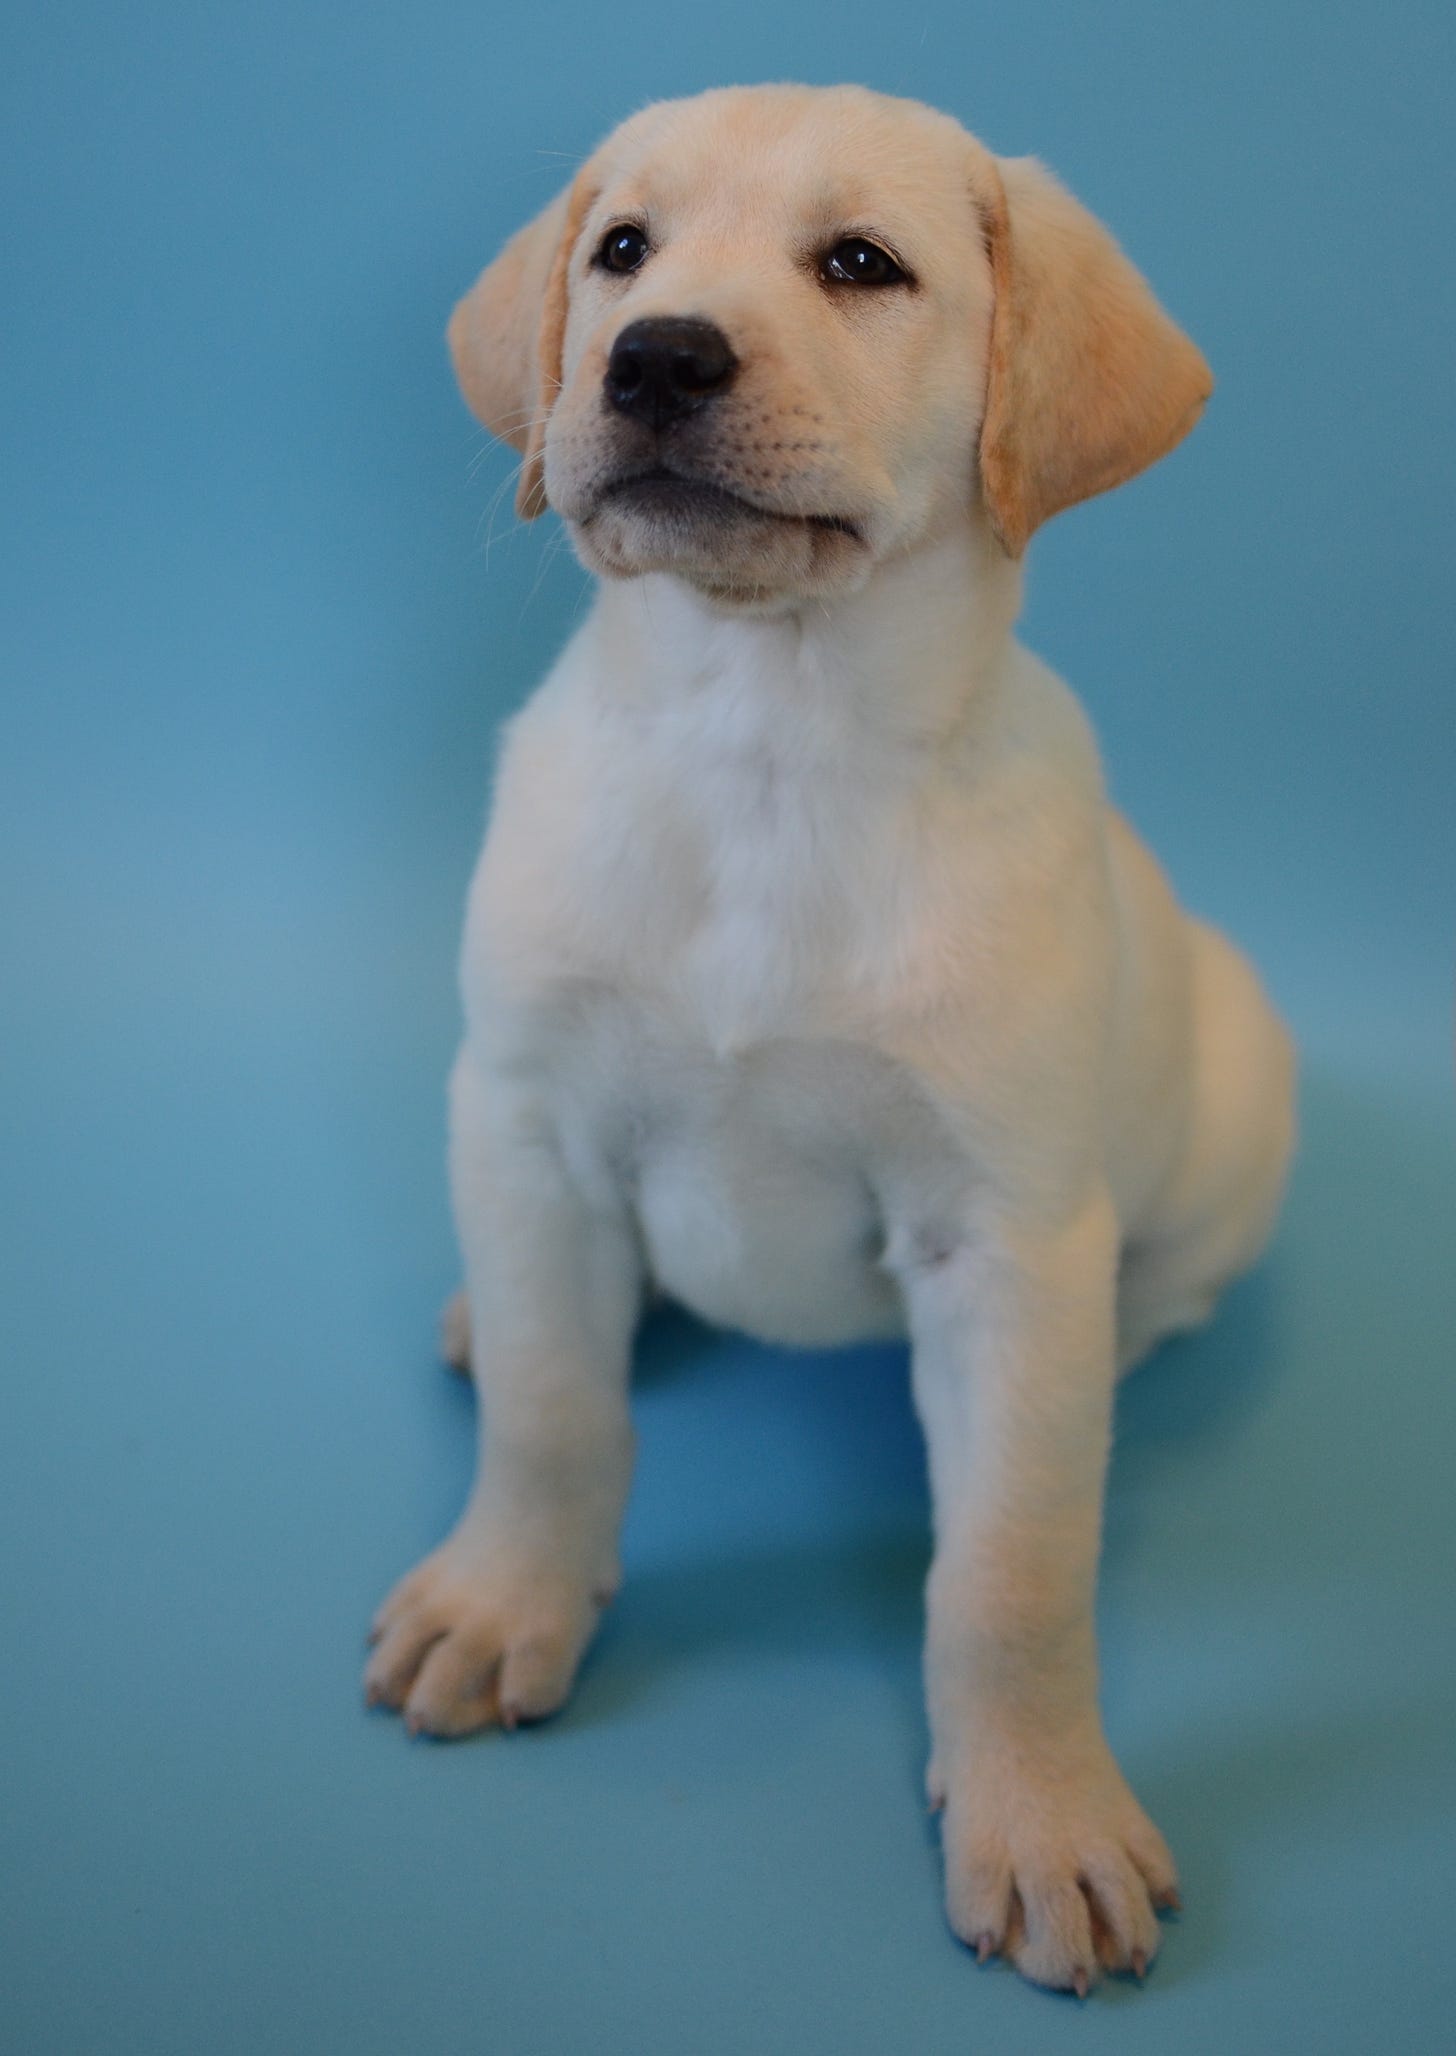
x: 779, y: 308
x: 773, y: 335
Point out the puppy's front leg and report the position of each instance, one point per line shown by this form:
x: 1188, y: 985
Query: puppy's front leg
x: 491, y: 1627
x: 1049, y: 1857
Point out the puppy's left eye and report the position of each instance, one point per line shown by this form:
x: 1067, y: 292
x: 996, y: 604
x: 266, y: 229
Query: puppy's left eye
x: 858, y: 262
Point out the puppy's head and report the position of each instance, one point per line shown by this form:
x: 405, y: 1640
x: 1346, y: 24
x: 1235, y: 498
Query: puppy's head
x: 772, y: 335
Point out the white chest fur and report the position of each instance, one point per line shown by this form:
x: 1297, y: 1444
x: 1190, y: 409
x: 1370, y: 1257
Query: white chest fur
x: 763, y: 1182
x: 752, y: 919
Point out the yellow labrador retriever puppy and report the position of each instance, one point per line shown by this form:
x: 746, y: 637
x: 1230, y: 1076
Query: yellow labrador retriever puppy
x: 808, y: 974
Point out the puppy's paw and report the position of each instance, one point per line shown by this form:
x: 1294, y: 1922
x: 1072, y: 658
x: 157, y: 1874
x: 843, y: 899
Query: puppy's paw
x: 468, y: 1641
x: 1055, y: 1866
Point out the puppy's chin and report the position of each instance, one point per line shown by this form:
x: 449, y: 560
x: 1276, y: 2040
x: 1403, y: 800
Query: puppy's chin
x: 741, y: 557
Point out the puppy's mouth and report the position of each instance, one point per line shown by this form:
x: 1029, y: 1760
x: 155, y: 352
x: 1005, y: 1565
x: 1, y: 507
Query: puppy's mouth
x: 682, y: 501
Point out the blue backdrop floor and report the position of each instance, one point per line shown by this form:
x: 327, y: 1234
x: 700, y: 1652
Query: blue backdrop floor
x: 228, y: 1434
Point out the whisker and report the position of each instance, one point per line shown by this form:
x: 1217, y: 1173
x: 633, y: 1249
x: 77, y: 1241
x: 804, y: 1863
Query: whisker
x: 583, y: 588
x: 488, y: 517
x: 548, y: 557
x: 537, y: 171
x: 520, y: 416
x: 480, y: 456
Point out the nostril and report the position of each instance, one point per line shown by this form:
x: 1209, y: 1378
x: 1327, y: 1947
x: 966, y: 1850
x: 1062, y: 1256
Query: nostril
x: 697, y: 371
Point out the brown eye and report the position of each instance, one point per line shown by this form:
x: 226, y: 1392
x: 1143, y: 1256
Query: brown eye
x: 622, y: 248
x: 857, y: 262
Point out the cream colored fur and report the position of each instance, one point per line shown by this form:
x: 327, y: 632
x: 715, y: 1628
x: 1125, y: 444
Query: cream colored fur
x: 808, y: 974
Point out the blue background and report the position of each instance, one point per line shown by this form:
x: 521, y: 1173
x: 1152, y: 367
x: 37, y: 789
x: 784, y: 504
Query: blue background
x: 254, y: 657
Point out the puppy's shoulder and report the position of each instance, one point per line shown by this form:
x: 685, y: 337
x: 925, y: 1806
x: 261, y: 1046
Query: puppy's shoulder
x: 1032, y: 771
x: 1041, y: 724
x: 569, y: 876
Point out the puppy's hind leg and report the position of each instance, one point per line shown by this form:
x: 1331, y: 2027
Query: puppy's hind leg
x: 1215, y: 1216
x: 455, y: 1332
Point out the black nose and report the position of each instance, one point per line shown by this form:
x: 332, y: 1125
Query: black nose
x: 667, y: 367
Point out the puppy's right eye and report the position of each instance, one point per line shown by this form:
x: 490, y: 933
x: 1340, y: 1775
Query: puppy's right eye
x: 622, y: 248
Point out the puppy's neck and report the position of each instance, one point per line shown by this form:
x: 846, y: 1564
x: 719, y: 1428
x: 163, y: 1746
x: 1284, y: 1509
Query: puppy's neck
x: 902, y: 662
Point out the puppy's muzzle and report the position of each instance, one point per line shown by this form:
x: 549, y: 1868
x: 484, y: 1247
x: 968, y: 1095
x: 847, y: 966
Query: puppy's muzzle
x: 667, y: 367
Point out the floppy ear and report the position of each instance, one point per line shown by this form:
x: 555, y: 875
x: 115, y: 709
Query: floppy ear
x: 505, y: 337
x: 1089, y: 381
